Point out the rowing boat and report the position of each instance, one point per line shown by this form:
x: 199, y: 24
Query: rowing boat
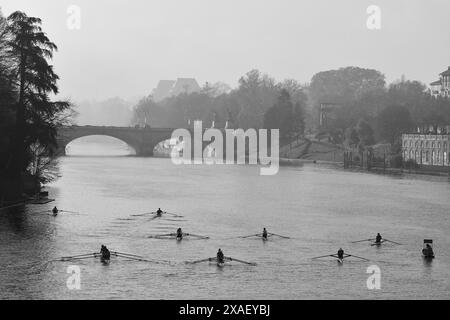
x: 340, y: 260
x: 221, y: 263
x: 176, y: 237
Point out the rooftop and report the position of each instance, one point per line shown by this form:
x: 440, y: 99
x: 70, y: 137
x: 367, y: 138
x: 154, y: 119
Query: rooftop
x: 436, y: 83
x: 446, y: 72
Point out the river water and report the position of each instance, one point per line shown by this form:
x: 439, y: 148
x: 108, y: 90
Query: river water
x: 321, y: 208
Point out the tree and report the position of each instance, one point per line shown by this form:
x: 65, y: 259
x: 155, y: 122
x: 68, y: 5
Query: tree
x: 356, y: 92
x: 347, y: 84
x: 280, y: 116
x: 351, y: 137
x: 298, y: 119
x: 37, y: 116
x: 393, y: 121
x: 7, y: 115
x: 365, y: 133
x: 255, y: 95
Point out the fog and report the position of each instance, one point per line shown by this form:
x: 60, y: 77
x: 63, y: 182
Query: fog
x: 123, y: 48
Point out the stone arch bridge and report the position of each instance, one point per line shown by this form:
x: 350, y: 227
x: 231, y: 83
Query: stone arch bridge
x: 142, y: 140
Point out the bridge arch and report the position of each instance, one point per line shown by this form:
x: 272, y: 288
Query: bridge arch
x: 142, y: 140
x: 98, y: 145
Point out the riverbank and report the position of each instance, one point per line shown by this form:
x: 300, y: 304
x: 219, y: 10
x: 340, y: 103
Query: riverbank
x: 305, y: 151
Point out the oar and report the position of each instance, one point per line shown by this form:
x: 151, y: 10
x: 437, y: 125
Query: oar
x: 198, y: 261
x: 140, y: 258
x: 328, y: 255
x: 67, y: 211
x: 351, y: 255
x: 82, y: 255
x: 279, y: 235
x: 162, y: 235
x: 196, y: 235
x: 141, y: 214
x: 173, y: 214
x: 78, y: 258
x: 362, y: 240
x: 252, y: 235
x: 126, y: 254
x: 392, y: 241
x: 241, y: 261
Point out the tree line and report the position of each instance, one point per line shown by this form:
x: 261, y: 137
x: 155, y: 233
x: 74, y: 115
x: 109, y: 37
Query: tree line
x: 29, y: 118
x: 366, y: 110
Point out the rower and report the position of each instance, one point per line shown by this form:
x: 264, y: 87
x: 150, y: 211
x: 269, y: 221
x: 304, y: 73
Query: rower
x: 105, y: 252
x: 159, y: 211
x: 340, y: 253
x: 220, y: 256
x: 180, y: 233
x: 264, y: 234
x: 428, y: 251
x: 378, y: 238
x: 55, y: 211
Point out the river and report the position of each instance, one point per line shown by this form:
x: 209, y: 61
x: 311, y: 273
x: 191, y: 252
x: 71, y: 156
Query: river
x: 321, y: 208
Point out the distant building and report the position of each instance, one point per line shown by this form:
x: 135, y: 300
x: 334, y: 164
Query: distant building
x: 431, y: 148
x: 162, y: 91
x: 171, y: 88
x: 441, y: 87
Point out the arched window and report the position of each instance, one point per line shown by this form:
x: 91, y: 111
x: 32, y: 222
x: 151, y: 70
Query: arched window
x: 438, y: 157
x: 439, y: 145
x: 406, y: 155
x: 445, y: 157
x: 433, y: 157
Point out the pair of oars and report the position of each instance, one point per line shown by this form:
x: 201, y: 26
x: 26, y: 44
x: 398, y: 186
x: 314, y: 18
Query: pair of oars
x: 158, y: 214
x: 166, y: 236
x: 225, y: 258
x: 138, y: 258
x: 268, y: 234
x: 373, y: 239
x: 114, y: 253
x: 59, y: 211
x: 345, y: 256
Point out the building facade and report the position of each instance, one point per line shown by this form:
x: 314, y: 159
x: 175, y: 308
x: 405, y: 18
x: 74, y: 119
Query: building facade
x: 171, y: 88
x: 427, y: 149
x: 441, y: 87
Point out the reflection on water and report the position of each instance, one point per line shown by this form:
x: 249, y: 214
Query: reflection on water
x: 321, y: 208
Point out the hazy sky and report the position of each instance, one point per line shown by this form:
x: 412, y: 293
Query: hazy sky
x: 124, y: 47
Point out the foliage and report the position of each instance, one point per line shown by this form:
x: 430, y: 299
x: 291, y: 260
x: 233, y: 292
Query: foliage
x: 393, y: 121
x: 29, y: 117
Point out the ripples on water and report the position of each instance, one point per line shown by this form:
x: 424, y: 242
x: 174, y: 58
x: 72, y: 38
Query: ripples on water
x: 320, y: 207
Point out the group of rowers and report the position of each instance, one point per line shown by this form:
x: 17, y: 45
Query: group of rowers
x: 378, y: 240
